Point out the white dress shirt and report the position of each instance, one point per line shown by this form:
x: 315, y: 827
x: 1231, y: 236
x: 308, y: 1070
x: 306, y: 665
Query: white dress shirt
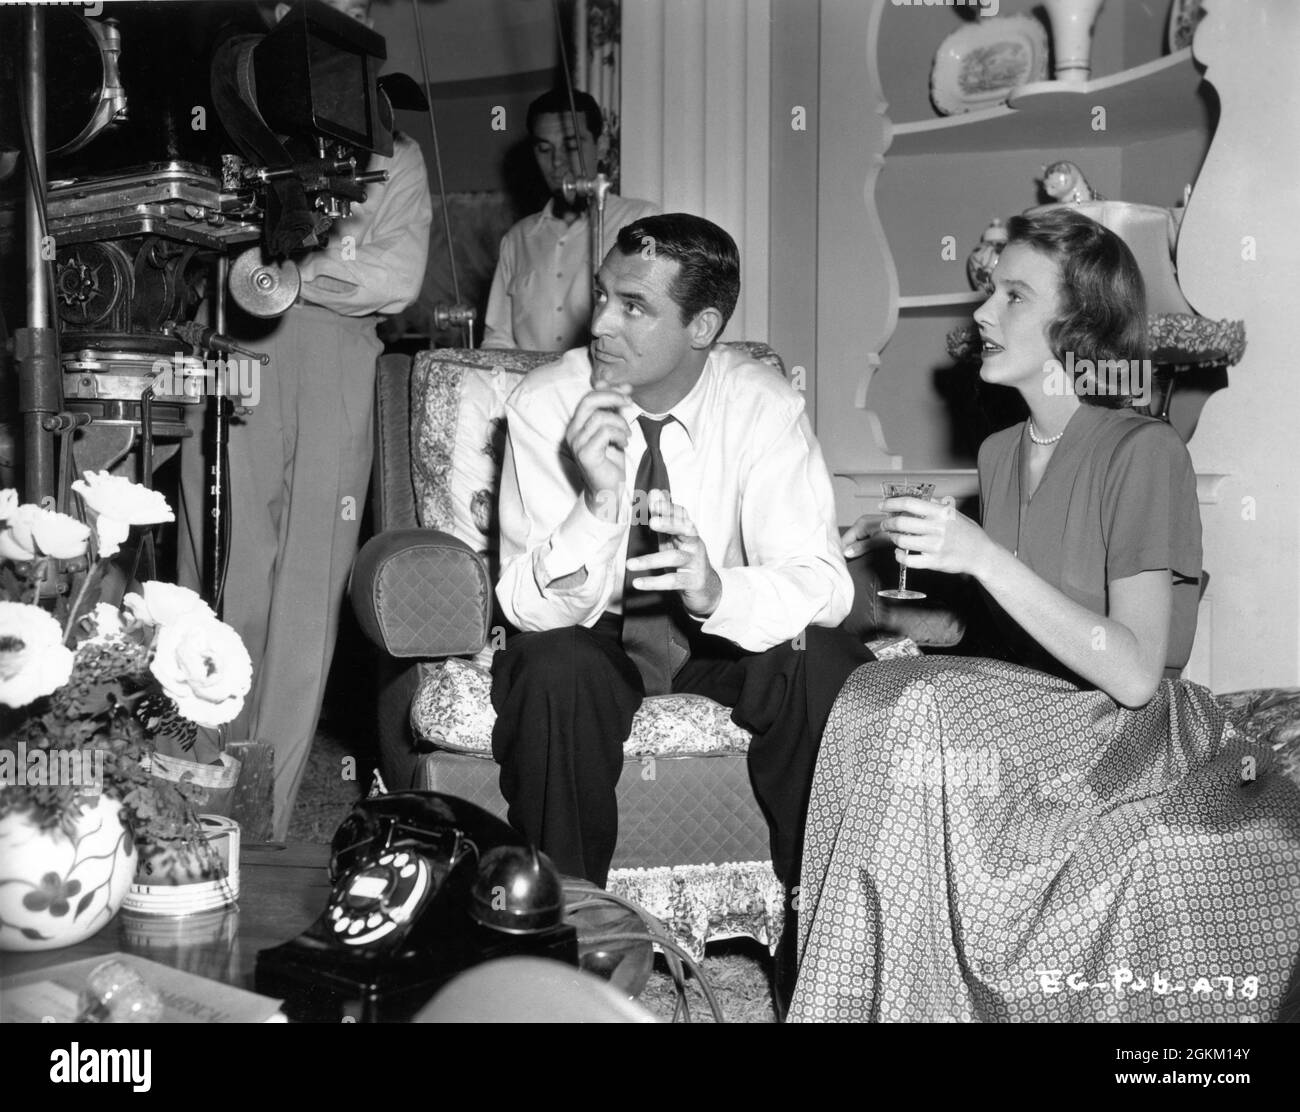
x: 541, y: 291
x: 374, y: 261
x: 742, y: 460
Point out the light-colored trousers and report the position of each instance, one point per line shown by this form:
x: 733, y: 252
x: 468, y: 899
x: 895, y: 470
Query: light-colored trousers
x: 299, y: 473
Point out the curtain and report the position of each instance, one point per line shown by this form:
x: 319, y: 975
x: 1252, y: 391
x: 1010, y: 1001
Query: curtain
x: 599, y: 68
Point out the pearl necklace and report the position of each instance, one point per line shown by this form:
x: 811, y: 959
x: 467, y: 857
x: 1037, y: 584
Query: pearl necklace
x: 1044, y: 441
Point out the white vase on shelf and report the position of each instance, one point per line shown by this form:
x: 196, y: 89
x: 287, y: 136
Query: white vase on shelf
x: 1072, y: 22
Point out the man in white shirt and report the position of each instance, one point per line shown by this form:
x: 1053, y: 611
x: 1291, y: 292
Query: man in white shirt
x: 656, y: 429
x: 300, y: 460
x: 541, y: 291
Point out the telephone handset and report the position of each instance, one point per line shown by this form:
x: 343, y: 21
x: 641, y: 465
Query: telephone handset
x: 424, y: 886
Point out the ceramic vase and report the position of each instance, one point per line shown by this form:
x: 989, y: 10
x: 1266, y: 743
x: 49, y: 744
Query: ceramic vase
x: 1072, y: 22
x: 58, y: 888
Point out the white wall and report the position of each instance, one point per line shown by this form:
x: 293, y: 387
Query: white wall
x: 1239, y: 258
x: 695, y: 125
x: 468, y: 39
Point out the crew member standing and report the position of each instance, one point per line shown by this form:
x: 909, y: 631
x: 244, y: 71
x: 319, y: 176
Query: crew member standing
x: 300, y: 461
x: 541, y: 291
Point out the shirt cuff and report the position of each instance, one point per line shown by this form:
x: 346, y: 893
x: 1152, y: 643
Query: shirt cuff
x: 733, y: 611
x: 582, y: 541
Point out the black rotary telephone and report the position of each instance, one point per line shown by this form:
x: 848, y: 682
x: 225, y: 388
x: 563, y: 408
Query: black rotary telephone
x: 425, y: 885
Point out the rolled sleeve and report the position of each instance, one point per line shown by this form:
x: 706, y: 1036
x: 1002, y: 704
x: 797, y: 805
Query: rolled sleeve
x: 545, y: 552
x: 582, y: 541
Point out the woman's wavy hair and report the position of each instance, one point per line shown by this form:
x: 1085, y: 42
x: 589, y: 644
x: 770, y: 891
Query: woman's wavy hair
x: 1103, y: 310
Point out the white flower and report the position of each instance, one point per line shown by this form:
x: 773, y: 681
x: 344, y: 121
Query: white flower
x: 16, y: 539
x: 33, y: 658
x: 203, y: 666
x: 8, y: 504
x: 59, y: 535
x: 116, y: 504
x: 109, y: 533
x: 160, y: 604
x: 123, y: 499
x: 107, y: 620
x: 33, y: 531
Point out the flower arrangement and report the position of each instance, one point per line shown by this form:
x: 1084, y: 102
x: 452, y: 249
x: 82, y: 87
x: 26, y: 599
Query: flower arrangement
x: 97, y: 678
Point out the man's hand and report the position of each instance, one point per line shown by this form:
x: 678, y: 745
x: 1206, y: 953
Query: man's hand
x: 684, y: 563
x: 597, y: 436
x: 854, y: 541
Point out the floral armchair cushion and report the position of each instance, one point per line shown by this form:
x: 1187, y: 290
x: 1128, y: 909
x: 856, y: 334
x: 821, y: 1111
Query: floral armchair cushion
x: 453, y: 710
x: 458, y: 437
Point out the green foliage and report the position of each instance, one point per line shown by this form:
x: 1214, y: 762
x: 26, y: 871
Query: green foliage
x: 94, y: 713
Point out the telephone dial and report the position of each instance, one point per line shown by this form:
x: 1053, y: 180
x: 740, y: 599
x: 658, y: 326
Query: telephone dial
x: 424, y: 886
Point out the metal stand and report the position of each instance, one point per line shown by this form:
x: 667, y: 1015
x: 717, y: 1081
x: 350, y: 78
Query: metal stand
x: 40, y: 386
x: 595, y: 188
x: 217, y: 493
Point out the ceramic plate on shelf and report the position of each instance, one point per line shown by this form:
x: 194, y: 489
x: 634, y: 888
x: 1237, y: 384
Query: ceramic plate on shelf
x: 978, y: 65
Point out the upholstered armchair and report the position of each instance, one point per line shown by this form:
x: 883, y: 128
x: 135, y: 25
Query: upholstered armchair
x: 693, y: 844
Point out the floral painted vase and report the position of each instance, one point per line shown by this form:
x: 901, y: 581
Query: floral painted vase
x: 57, y: 889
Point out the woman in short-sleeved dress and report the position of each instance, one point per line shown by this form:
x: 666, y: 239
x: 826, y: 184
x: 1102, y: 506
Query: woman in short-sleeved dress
x: 1072, y: 833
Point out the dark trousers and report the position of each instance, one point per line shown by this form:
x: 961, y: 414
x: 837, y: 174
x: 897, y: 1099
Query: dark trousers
x: 565, y: 700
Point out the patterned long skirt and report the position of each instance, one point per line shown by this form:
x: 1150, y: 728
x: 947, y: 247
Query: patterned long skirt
x: 990, y: 843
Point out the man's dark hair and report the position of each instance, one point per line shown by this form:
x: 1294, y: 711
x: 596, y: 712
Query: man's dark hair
x: 556, y: 102
x: 1103, y: 314
x: 709, y: 262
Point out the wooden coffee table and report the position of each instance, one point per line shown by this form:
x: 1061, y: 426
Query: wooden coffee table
x: 283, y: 888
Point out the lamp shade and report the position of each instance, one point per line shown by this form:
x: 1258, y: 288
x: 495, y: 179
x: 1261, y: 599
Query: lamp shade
x: 1150, y: 232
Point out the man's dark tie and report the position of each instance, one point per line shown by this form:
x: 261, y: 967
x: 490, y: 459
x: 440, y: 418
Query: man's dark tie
x: 651, y: 634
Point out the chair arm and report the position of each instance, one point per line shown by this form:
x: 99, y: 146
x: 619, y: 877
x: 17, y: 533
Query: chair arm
x: 422, y: 593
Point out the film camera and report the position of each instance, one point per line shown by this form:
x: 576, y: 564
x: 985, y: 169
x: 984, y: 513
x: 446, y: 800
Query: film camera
x: 188, y: 149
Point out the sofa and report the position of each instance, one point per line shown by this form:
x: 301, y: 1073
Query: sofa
x: 693, y: 844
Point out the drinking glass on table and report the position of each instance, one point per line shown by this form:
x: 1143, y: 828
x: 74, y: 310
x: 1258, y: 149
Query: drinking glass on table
x: 903, y: 488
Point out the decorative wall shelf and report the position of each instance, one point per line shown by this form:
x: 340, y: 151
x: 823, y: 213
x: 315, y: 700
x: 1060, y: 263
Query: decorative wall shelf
x: 1149, y: 125
x: 1146, y: 102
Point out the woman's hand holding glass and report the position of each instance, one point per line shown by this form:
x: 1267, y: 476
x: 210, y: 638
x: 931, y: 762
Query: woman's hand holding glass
x: 934, y: 536
x: 918, y: 491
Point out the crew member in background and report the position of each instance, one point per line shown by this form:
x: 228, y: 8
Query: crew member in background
x: 541, y: 292
x: 300, y: 461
